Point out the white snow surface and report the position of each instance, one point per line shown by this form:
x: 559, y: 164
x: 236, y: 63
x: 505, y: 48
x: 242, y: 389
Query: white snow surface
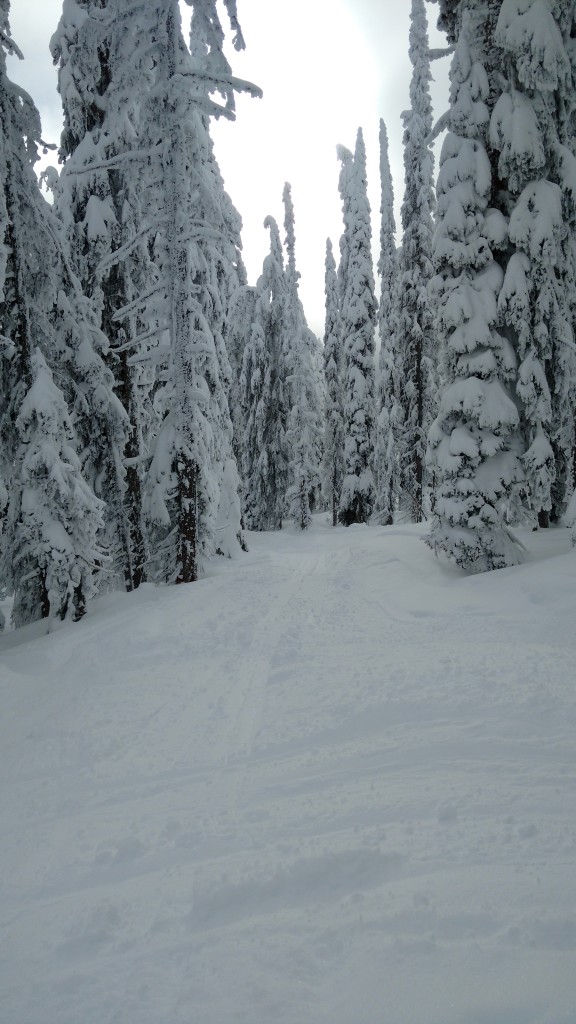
x: 332, y: 783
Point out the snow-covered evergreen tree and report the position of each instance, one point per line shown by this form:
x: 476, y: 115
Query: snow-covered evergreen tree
x: 226, y: 274
x: 167, y: 95
x: 346, y: 159
x: 414, y: 335
x: 333, y: 464
x: 528, y: 53
x: 52, y: 381
x: 530, y: 132
x: 57, y: 539
x: 304, y: 423
x: 265, y: 466
x: 474, y: 442
x: 386, y: 469
x: 358, y: 323
x: 98, y: 200
x: 238, y: 328
x: 315, y: 349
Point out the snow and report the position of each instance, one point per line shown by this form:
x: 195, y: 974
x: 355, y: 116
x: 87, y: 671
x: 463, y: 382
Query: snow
x: 495, y: 228
x: 515, y: 131
x: 331, y: 782
x: 98, y: 220
x: 536, y: 223
x: 484, y: 400
x: 527, y: 29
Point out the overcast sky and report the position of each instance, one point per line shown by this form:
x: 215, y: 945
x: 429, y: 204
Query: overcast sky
x: 326, y: 67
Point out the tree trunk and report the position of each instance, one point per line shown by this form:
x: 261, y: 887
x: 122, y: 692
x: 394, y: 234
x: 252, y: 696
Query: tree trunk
x: 187, y: 521
x: 418, y: 504
x: 134, y: 572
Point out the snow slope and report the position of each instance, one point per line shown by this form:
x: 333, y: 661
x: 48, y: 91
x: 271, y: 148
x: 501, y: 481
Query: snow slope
x: 334, y: 783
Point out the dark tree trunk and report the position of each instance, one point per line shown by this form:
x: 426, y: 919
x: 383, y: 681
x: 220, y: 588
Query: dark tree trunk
x: 418, y: 502
x: 79, y: 601
x: 134, y: 556
x: 44, y: 599
x: 116, y: 295
x: 187, y: 520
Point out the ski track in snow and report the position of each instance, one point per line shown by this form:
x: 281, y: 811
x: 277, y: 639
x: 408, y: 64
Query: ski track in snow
x: 332, y: 782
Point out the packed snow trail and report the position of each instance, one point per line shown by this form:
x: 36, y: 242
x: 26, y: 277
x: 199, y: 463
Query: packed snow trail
x: 333, y: 783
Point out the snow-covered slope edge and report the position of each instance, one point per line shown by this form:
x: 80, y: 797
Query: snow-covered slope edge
x: 332, y: 783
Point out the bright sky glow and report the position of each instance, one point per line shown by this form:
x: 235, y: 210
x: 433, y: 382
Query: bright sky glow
x: 320, y: 82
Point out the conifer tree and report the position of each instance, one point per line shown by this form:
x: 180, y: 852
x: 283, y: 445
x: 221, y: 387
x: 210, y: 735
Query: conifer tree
x: 193, y: 447
x: 52, y: 380
x: 98, y: 200
x: 238, y: 329
x: 346, y: 159
x: 528, y: 55
x: 358, y: 321
x: 303, y: 427
x: 187, y: 224
x: 474, y: 442
x: 179, y: 265
x: 265, y: 398
x: 222, y: 253
x: 414, y: 335
x: 57, y: 537
x: 530, y: 133
x: 315, y: 349
x: 333, y: 465
x: 183, y: 490
x: 386, y: 469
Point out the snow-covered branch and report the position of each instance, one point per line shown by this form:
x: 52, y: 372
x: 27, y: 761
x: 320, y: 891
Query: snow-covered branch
x: 10, y: 46
x: 118, y: 161
x: 216, y: 81
x: 139, y: 302
x: 139, y: 339
x: 120, y: 254
x: 440, y: 52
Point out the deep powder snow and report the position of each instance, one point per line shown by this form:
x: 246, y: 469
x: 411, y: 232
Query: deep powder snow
x: 333, y: 783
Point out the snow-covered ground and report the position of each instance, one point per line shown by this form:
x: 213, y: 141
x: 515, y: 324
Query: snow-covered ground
x: 333, y: 783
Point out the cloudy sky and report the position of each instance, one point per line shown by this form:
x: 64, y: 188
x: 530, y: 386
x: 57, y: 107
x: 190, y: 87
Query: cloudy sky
x: 326, y: 67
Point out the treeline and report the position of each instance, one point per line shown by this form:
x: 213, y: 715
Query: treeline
x: 154, y: 404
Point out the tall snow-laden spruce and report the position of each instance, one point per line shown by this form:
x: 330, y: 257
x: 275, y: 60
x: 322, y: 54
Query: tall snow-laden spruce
x: 101, y: 82
x: 346, y: 159
x: 358, y: 324
x: 532, y: 133
x: 414, y: 329
x: 175, y: 321
x: 386, y: 468
x: 183, y: 488
x: 222, y: 252
x: 265, y: 463
x: 60, y: 521
x: 304, y: 423
x: 52, y: 379
x: 238, y: 328
x: 333, y: 463
x: 527, y: 50
x: 173, y: 257
x: 474, y: 447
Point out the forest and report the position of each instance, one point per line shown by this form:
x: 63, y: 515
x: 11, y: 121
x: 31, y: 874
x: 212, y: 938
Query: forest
x: 155, y: 405
x: 332, y: 780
